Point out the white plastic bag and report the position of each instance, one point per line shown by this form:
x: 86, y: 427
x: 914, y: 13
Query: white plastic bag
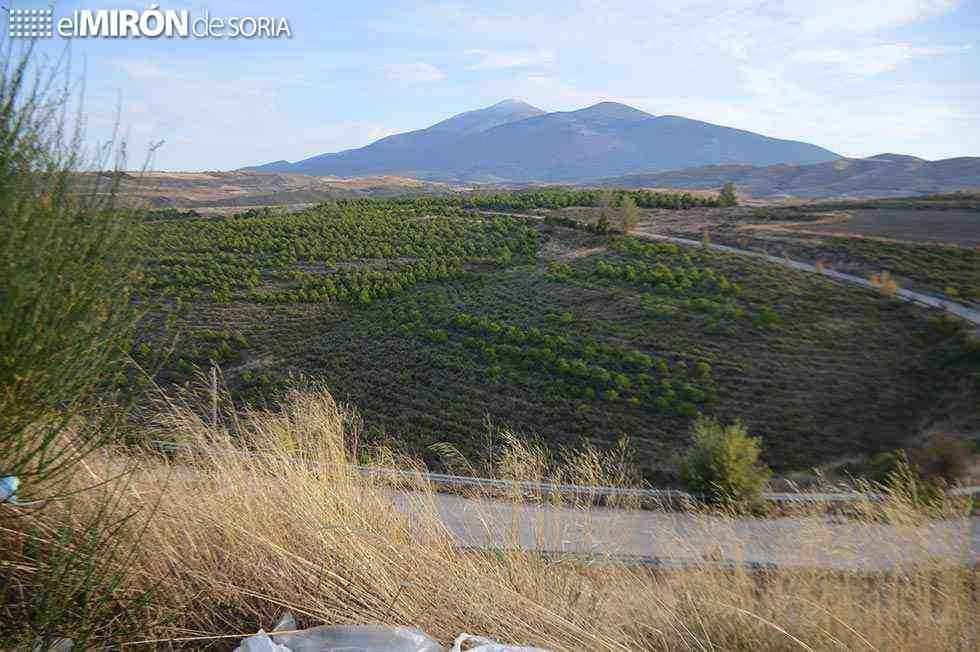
x: 363, y: 638
x: 260, y: 643
x: 469, y: 643
x: 340, y: 638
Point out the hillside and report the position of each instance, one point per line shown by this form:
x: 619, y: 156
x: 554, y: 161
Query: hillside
x: 884, y: 175
x: 432, y: 319
x: 228, y: 190
x: 513, y: 141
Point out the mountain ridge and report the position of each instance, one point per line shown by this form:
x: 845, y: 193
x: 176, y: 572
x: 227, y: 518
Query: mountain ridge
x: 515, y: 141
x: 881, y: 175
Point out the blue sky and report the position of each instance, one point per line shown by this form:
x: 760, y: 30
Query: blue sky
x: 859, y: 78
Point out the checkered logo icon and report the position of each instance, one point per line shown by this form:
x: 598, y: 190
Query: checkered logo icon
x: 30, y: 23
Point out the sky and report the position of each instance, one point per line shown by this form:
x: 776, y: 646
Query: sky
x: 859, y: 78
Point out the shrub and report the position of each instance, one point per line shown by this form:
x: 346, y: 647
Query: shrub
x: 629, y: 214
x: 69, y: 272
x: 437, y: 335
x: 727, y: 196
x: 723, y: 464
x: 943, y: 458
x: 882, y: 465
x: 767, y: 317
x: 885, y: 284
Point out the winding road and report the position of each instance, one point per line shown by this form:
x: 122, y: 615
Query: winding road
x: 958, y: 309
x: 964, y: 312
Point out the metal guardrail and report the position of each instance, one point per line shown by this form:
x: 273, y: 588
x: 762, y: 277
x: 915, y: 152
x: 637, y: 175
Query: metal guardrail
x: 663, y: 496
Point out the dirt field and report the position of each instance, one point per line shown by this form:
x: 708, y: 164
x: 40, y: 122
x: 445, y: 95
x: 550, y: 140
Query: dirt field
x: 947, y: 227
x: 220, y: 191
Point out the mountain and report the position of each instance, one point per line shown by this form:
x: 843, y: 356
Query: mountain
x: 411, y: 151
x: 884, y: 175
x: 514, y: 141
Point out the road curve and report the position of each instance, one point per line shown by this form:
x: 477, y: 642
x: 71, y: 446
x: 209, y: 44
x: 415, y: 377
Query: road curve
x: 958, y: 309
x: 964, y: 312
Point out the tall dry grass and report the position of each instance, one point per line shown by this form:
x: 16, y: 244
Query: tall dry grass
x: 225, y: 541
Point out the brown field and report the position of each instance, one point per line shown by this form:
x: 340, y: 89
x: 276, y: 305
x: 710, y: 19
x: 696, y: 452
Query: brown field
x: 221, y: 191
x: 956, y: 227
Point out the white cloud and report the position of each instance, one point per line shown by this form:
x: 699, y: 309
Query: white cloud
x: 861, y: 16
x: 502, y: 60
x: 866, y: 61
x: 414, y: 73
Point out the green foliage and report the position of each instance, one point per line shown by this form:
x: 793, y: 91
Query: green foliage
x: 579, y: 368
x: 942, y: 460
x: 629, y: 214
x: 882, y: 465
x: 727, y: 196
x: 607, y: 215
x: 766, y: 317
x: 354, y: 252
x: 723, y: 464
x: 665, y: 279
x: 69, y: 273
x: 559, y: 197
x: 905, y: 482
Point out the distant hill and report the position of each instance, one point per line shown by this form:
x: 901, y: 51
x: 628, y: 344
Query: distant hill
x: 201, y: 190
x: 884, y: 175
x: 515, y: 142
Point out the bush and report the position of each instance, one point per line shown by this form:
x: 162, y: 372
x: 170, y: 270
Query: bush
x: 723, y: 464
x: 727, y: 196
x: 942, y: 458
x: 885, y: 283
x: 69, y: 273
x: 767, y: 317
x: 882, y: 465
x: 629, y: 214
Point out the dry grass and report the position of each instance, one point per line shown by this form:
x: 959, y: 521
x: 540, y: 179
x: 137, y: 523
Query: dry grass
x: 885, y: 283
x: 230, y: 540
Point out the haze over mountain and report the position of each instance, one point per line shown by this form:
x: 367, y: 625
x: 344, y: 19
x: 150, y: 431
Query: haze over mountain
x: 884, y: 175
x: 514, y: 141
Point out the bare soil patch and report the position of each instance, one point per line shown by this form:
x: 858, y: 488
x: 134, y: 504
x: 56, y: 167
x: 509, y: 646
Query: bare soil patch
x: 959, y: 227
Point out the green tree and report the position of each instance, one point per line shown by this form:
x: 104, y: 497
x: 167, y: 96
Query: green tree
x: 607, y: 211
x: 629, y: 214
x: 727, y: 196
x: 723, y: 464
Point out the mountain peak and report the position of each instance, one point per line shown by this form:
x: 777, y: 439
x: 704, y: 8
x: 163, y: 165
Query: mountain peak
x: 512, y: 102
x: 895, y: 158
x: 613, y: 110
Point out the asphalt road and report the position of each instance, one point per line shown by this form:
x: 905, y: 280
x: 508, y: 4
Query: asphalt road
x: 680, y: 538
x: 964, y: 312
